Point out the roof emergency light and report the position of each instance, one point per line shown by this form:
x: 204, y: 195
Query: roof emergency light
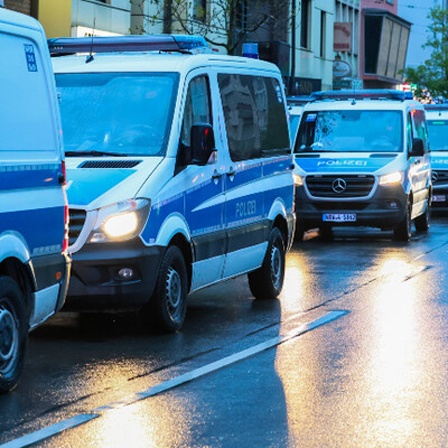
x: 368, y: 94
x: 116, y: 44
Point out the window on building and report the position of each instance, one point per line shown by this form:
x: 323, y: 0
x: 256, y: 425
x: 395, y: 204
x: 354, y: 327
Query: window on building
x: 323, y: 33
x: 200, y: 10
x: 305, y: 24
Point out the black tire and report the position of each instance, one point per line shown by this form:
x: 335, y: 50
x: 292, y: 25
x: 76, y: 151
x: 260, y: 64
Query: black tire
x: 403, y: 231
x: 13, y: 333
x: 422, y: 222
x: 267, y: 281
x: 166, y: 310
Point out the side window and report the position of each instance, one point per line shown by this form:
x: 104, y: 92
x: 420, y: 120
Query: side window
x: 409, y: 131
x: 255, y: 116
x: 420, y: 128
x: 197, y: 107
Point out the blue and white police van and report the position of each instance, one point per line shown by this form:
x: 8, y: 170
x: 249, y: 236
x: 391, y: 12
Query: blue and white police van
x: 362, y: 159
x: 437, y: 118
x: 34, y: 265
x: 179, y: 172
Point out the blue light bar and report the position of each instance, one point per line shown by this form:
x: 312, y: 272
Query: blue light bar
x: 368, y: 94
x: 113, y: 44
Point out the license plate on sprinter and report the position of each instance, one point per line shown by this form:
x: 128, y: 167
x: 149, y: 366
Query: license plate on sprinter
x: 438, y: 198
x: 339, y: 217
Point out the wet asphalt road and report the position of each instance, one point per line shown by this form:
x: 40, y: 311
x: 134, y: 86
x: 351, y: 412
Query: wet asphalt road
x: 354, y: 354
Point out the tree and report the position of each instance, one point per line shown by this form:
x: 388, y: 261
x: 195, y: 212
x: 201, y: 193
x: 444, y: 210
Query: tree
x: 433, y: 73
x: 223, y: 23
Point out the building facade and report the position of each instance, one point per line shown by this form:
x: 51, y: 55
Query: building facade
x: 318, y: 44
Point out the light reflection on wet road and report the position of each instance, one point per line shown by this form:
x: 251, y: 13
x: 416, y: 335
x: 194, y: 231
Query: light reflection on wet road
x: 374, y: 377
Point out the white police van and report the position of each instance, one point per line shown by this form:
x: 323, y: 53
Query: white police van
x: 180, y: 172
x: 362, y: 159
x: 34, y: 265
x: 437, y: 118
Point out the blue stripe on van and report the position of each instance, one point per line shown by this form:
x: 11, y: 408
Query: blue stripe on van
x: 49, y: 221
x: 29, y: 176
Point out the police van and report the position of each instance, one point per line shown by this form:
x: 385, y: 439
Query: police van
x: 362, y: 159
x: 437, y: 118
x: 179, y: 172
x: 34, y: 265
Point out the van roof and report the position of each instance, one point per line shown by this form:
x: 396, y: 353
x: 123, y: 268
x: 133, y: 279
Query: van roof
x: 156, y: 62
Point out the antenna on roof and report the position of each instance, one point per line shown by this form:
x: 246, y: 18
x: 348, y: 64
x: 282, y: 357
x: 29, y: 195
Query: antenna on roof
x: 89, y: 58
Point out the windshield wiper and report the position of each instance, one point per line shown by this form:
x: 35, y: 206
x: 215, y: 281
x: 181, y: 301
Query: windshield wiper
x: 94, y: 153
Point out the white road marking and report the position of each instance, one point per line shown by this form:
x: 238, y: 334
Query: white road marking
x: 57, y: 428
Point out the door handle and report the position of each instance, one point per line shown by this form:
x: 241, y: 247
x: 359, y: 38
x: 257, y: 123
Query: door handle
x: 231, y: 172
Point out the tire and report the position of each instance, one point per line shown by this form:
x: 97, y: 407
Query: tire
x: 167, y: 307
x: 13, y: 333
x: 422, y: 222
x: 267, y: 281
x: 403, y: 231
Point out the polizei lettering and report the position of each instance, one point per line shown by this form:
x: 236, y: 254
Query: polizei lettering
x: 342, y: 163
x: 244, y: 209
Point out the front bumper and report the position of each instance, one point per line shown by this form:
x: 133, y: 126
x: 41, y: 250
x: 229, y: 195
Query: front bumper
x: 96, y: 282
x: 385, y: 209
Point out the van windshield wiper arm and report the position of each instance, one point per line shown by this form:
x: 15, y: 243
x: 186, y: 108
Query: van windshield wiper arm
x: 94, y: 153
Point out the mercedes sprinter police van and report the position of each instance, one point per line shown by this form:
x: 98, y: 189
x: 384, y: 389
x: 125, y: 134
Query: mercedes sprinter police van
x: 437, y: 118
x: 34, y: 265
x: 179, y: 172
x: 362, y: 159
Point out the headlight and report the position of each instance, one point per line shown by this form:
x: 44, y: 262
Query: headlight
x: 392, y: 178
x: 121, y: 221
x: 298, y: 180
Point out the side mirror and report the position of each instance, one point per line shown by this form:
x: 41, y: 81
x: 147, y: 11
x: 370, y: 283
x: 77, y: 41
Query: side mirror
x: 418, y: 149
x: 202, y: 143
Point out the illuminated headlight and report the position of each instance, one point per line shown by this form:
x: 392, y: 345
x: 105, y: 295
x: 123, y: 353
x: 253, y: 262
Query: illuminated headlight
x: 298, y: 180
x: 392, y: 178
x: 121, y: 221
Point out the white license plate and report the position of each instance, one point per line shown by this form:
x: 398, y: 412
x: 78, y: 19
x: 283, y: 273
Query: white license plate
x: 339, y: 217
x: 439, y: 198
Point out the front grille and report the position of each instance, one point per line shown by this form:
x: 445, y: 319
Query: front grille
x: 340, y: 186
x: 76, y: 223
x: 439, y: 177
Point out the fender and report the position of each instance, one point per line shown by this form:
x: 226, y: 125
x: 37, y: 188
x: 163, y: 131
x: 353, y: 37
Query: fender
x: 174, y: 224
x: 13, y: 245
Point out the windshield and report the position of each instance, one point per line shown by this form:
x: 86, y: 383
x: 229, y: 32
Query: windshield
x: 350, y: 131
x: 438, y: 134
x: 116, y: 113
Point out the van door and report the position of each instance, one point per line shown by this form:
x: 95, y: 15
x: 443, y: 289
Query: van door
x: 419, y: 171
x: 257, y: 137
x: 203, y: 188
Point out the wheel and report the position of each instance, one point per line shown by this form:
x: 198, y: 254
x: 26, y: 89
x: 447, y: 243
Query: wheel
x: 402, y: 232
x: 267, y: 281
x: 13, y: 333
x: 167, y: 307
x: 422, y: 222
